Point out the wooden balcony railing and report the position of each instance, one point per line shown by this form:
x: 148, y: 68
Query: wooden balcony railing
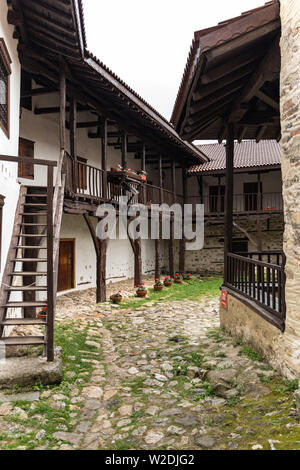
x: 242, y: 203
x: 260, y: 281
x: 90, y: 184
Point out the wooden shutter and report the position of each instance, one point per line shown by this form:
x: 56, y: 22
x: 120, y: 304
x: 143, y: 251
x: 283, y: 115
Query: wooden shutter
x: 26, y: 150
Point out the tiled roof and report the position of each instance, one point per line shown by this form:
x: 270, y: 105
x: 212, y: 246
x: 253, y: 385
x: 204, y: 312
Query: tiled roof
x: 247, y: 154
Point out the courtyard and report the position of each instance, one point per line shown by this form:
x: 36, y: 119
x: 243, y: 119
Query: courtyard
x: 154, y: 373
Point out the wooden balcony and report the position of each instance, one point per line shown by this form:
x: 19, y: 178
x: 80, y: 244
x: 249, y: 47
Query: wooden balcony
x: 243, y: 204
x: 90, y: 187
x: 259, y: 277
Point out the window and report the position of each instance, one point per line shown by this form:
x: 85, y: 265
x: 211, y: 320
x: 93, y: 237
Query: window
x: 26, y: 150
x: 5, y: 72
x: 240, y: 245
x: 251, y: 196
x: 1, y: 206
x: 217, y: 199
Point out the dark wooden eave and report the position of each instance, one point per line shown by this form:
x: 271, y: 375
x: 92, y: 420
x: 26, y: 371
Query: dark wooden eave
x: 51, y: 31
x: 232, y: 75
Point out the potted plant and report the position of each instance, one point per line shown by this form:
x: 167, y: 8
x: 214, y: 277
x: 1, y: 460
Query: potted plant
x: 141, y: 290
x: 158, y: 286
x: 177, y: 278
x: 42, y: 314
x: 116, y: 298
x: 118, y: 169
x: 187, y: 277
x: 142, y: 174
x: 168, y: 281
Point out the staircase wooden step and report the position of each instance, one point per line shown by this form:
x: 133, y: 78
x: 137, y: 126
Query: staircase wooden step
x: 25, y: 304
x: 26, y: 288
x: 30, y: 260
x: 34, y: 213
x: 23, y: 321
x: 24, y: 273
x: 33, y: 225
x: 31, y: 235
x: 35, y: 204
x: 25, y: 247
x: 23, y: 340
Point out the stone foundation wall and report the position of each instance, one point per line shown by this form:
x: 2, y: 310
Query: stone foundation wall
x: 290, y: 128
x: 242, y: 322
x: 211, y: 258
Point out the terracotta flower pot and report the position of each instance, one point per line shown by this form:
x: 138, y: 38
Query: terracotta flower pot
x: 178, y: 281
x: 141, y: 293
x: 116, y: 299
x: 41, y: 316
x: 158, y: 288
x: 168, y: 283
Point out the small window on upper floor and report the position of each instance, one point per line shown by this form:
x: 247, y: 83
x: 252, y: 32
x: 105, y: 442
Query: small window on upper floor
x: 5, y: 71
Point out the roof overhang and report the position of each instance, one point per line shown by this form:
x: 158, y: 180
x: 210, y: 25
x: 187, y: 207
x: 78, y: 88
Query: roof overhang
x: 232, y: 75
x: 52, y: 31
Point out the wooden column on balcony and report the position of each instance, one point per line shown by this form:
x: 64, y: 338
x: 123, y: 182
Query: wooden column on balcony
x: 124, y: 150
x: 104, y: 158
x: 100, y: 250
x: 182, y: 241
x: 171, y: 241
x: 157, y: 242
x: 144, y: 169
x: 228, y: 223
x: 73, y: 141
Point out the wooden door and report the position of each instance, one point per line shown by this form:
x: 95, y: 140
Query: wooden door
x: 26, y: 150
x: 66, y: 265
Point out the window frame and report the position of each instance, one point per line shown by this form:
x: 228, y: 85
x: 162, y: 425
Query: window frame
x: 6, y: 61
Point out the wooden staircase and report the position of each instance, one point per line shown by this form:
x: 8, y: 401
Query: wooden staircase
x: 21, y: 280
x: 29, y: 280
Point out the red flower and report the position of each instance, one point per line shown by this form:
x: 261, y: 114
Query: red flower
x: 135, y: 287
x: 143, y: 283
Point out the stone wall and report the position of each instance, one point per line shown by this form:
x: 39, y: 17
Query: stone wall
x: 290, y: 127
x: 242, y: 322
x: 211, y: 258
x: 281, y: 349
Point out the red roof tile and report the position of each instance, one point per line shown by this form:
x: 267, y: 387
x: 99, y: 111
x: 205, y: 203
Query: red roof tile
x: 248, y: 154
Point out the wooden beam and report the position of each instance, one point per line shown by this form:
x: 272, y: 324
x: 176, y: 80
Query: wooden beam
x: 39, y: 92
x: 228, y: 196
x: 171, y: 248
x: 55, y: 109
x: 265, y: 71
x: 260, y: 133
x: 268, y: 100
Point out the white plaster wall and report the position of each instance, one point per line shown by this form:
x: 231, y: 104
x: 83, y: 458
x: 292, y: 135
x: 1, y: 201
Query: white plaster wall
x: 9, y: 186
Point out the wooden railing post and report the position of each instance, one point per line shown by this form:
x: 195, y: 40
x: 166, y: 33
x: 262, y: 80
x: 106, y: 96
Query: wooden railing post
x: 104, y: 159
x: 50, y: 278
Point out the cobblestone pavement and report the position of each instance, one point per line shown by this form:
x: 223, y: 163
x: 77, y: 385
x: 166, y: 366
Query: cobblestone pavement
x: 162, y: 376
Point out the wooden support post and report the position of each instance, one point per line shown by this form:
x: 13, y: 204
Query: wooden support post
x: 62, y: 113
x: 144, y: 169
x: 138, y: 262
x: 51, y: 287
x: 173, y: 178
x: 228, y: 225
x: 157, y: 257
x: 104, y: 158
x: 259, y: 235
x: 259, y: 192
x: 73, y: 141
x: 100, y: 250
x: 160, y: 179
x: 124, y: 150
x: 219, y: 195
x: 171, y: 247
x: 182, y: 241
x: 200, y: 184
